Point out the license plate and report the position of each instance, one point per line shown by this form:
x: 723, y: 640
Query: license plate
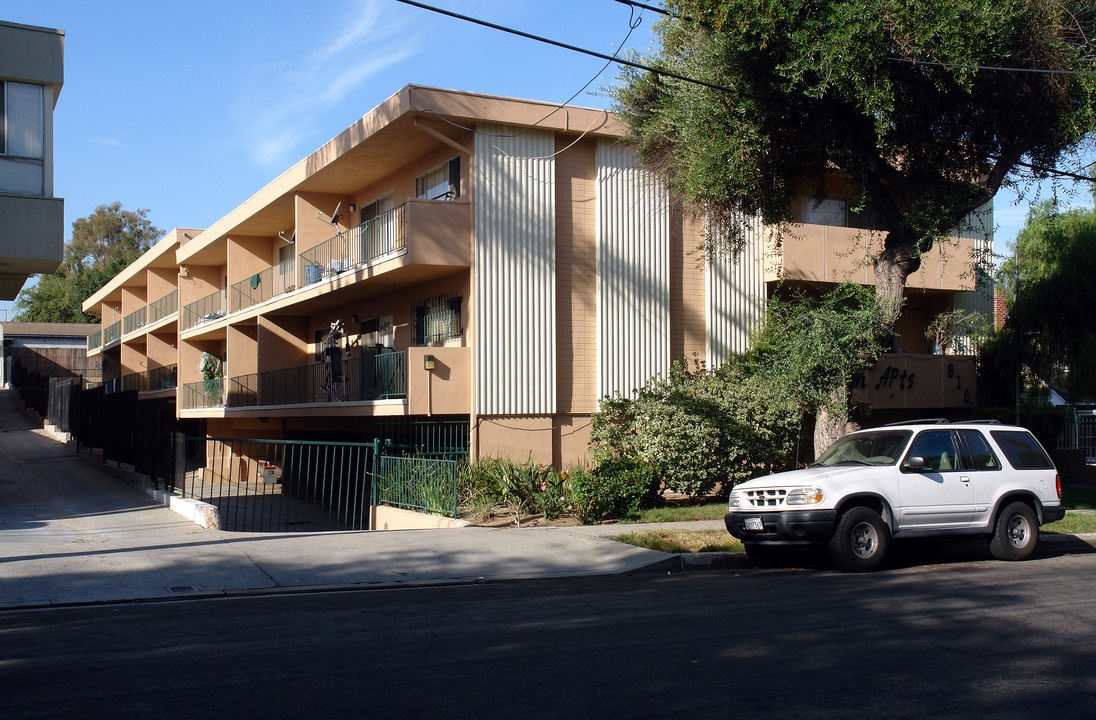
x: 754, y: 524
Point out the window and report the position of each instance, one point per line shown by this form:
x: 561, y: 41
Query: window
x: 22, y: 127
x: 377, y: 332
x: 1022, y: 450
x: 981, y: 455
x: 938, y: 449
x: 441, y: 183
x: 437, y: 320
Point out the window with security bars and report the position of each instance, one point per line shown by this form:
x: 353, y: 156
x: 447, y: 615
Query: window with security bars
x: 437, y: 320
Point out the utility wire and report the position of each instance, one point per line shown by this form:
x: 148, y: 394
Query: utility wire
x: 565, y: 46
x: 714, y: 86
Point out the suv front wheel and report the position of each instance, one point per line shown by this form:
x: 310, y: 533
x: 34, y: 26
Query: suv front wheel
x: 1016, y: 533
x: 860, y: 541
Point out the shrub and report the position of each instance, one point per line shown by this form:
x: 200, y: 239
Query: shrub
x: 519, y: 488
x: 616, y: 488
x: 699, y: 430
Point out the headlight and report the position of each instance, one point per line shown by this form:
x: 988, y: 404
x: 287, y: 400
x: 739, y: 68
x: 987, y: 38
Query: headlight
x: 805, y: 496
x: 735, y: 501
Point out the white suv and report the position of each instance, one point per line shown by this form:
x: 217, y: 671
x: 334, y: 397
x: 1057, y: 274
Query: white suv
x: 912, y: 480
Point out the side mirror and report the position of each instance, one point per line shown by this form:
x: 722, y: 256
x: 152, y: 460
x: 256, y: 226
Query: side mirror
x: 915, y: 462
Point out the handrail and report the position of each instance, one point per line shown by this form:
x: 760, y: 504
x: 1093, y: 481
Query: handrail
x: 360, y: 245
x: 207, y: 309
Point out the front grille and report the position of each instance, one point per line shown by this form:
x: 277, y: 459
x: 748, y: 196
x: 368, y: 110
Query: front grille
x: 764, y: 498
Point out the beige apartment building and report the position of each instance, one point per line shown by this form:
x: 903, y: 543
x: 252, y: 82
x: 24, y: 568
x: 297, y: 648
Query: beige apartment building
x: 469, y: 272
x: 32, y: 220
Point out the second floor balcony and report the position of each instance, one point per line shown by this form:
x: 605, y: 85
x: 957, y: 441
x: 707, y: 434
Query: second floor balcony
x: 832, y: 254
x: 373, y: 376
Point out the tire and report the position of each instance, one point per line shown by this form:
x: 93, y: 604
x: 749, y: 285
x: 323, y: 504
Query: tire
x: 861, y: 540
x: 1016, y: 534
x: 769, y: 556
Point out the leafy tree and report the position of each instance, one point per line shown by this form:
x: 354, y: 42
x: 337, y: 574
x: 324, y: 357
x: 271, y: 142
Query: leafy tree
x: 815, y: 346
x: 925, y: 108
x: 102, y: 245
x: 1049, y: 329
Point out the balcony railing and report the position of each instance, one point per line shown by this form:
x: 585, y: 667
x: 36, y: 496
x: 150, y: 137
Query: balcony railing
x: 135, y: 320
x: 112, y: 333
x: 203, y: 394
x: 154, y: 380
x: 361, y: 245
x: 208, y: 309
x: 262, y: 286
x: 163, y: 307
x: 95, y: 340
x: 376, y: 376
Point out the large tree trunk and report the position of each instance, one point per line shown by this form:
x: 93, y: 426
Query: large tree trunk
x: 828, y: 426
x: 898, y: 260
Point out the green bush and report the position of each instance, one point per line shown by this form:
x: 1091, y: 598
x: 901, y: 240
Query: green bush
x: 616, y: 488
x: 520, y: 488
x: 698, y: 430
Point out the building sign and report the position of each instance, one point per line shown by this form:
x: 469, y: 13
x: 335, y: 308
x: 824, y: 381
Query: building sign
x: 918, y: 381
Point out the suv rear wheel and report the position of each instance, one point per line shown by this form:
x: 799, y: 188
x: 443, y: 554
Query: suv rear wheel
x: 860, y: 541
x: 1016, y: 533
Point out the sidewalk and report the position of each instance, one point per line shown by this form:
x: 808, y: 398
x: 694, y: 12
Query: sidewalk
x: 72, y: 534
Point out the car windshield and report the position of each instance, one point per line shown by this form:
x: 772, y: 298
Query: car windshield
x: 881, y: 447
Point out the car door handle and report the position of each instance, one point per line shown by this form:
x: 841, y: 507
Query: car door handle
x: 964, y: 478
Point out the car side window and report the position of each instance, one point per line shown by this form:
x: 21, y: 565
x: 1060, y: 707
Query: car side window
x: 938, y: 449
x: 1022, y: 450
x: 981, y: 454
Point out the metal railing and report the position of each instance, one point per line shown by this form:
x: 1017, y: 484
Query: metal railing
x: 280, y: 485
x: 416, y: 483
x: 163, y: 307
x: 262, y: 286
x: 135, y: 320
x: 156, y: 379
x: 208, y: 309
x: 112, y: 333
x: 375, y: 376
x: 361, y: 245
x: 203, y: 394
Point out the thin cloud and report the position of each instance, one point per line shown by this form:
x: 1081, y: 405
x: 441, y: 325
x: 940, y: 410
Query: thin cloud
x: 110, y: 142
x: 294, y: 99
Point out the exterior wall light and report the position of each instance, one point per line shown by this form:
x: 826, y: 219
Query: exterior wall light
x: 427, y: 362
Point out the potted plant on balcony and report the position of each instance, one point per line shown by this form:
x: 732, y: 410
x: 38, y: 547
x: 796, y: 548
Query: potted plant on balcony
x: 212, y: 370
x: 947, y: 328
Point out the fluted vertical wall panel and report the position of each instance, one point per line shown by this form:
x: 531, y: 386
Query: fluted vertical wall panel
x: 735, y: 287
x: 633, y: 273
x: 978, y: 226
x: 515, y: 271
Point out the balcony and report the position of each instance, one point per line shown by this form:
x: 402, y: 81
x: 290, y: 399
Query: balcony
x: 373, y: 240
x: 135, y: 320
x: 112, y: 334
x: 262, y: 286
x: 211, y: 307
x: 376, y: 376
x: 154, y: 380
x: 95, y: 340
x: 829, y: 254
x: 164, y: 307
x: 906, y: 382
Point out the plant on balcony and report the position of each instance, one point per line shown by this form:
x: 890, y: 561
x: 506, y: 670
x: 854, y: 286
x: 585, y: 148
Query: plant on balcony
x: 948, y: 329
x: 212, y: 370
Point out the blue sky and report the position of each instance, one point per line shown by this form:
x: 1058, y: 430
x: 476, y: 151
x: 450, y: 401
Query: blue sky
x: 187, y: 109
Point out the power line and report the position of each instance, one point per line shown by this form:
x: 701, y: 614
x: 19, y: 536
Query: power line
x: 994, y: 68
x: 714, y: 86
x: 565, y: 46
